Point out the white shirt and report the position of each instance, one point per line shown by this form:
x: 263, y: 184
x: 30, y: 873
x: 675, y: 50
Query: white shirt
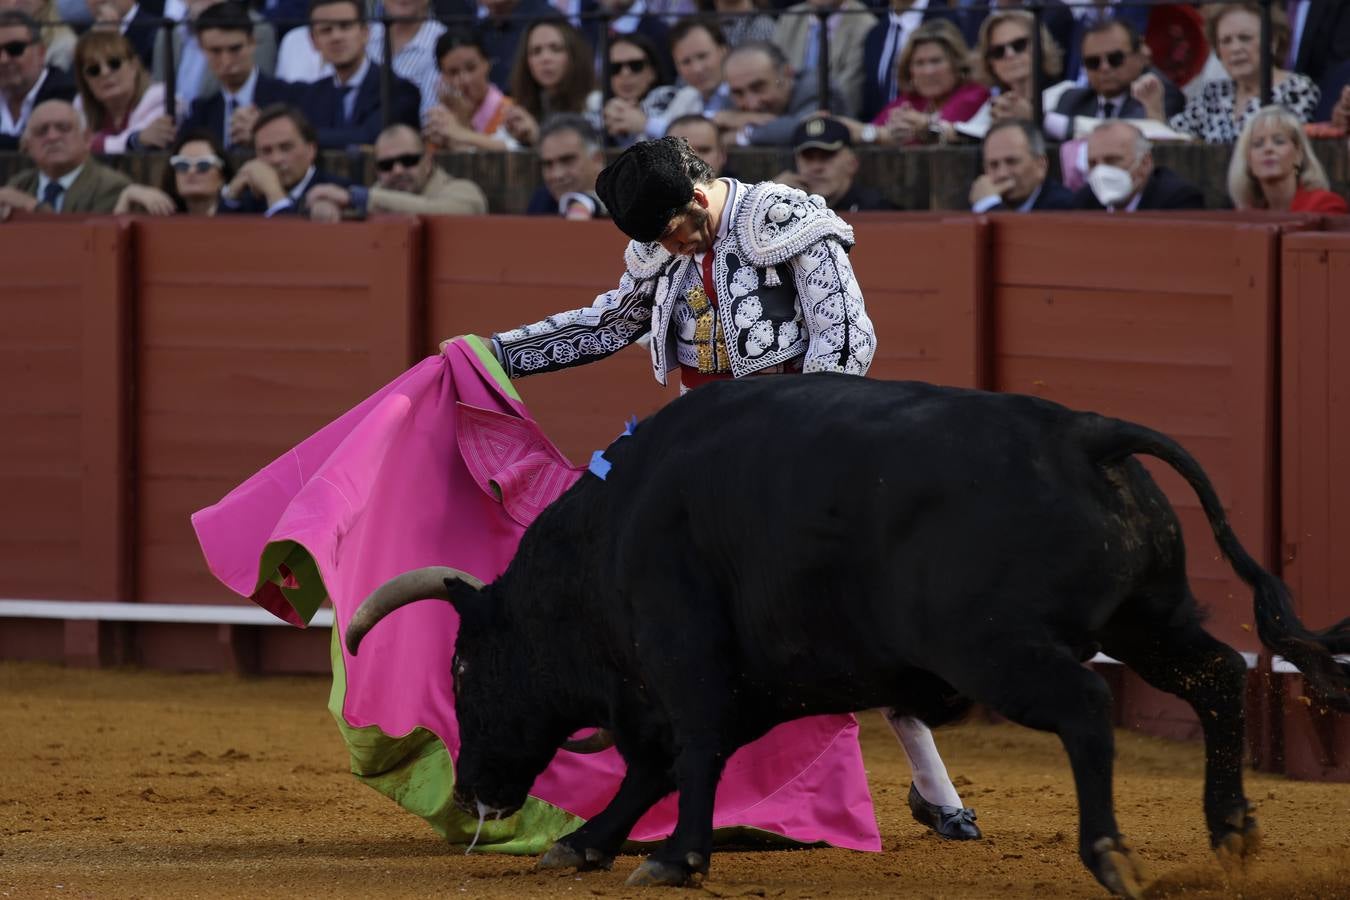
x: 126, y: 20
x: 65, y: 181
x: 415, y: 61
x: 298, y: 61
x: 8, y: 125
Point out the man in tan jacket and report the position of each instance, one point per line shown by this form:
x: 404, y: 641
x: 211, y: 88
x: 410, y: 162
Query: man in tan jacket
x: 407, y: 180
x: 66, y: 180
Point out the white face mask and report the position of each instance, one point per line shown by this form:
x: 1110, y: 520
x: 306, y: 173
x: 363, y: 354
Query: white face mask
x: 1110, y: 184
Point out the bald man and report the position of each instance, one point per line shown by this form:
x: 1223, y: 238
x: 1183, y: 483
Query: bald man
x: 65, y: 179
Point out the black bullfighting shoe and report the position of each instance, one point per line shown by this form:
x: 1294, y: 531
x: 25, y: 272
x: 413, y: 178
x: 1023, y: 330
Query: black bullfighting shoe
x: 951, y: 822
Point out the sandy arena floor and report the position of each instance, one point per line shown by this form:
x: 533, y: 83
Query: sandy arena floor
x: 143, y: 784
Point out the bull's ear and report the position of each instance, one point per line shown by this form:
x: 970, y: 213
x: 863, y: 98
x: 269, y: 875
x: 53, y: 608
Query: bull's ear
x: 467, y: 599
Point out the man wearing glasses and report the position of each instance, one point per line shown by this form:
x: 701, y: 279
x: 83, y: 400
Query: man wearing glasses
x: 1114, y: 58
x: 407, y: 180
x: 25, y: 78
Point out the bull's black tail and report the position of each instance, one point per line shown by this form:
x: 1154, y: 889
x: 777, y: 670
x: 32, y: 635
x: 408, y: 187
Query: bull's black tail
x: 1313, y: 652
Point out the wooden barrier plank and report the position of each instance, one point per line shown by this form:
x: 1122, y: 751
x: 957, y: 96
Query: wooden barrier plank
x: 252, y: 335
x: 63, y: 319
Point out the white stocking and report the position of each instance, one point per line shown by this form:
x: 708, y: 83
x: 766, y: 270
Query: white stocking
x: 925, y: 765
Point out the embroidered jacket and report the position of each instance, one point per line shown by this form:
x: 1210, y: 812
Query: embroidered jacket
x: 784, y: 286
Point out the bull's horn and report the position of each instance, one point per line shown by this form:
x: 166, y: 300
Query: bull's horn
x: 600, y: 739
x: 419, y: 584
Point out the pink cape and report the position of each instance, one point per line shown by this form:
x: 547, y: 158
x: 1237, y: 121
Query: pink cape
x: 444, y: 466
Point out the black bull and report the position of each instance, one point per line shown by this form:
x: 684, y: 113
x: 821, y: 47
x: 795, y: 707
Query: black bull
x: 785, y: 546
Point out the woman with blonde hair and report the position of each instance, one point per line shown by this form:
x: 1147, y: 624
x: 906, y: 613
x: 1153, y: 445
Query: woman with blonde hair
x: 1274, y: 167
x: 1003, y: 63
x: 936, y: 89
x: 1218, y: 113
x: 124, y: 108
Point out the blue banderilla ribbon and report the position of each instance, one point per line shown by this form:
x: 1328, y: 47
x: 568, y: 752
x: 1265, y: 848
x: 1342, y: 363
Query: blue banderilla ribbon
x: 600, y: 466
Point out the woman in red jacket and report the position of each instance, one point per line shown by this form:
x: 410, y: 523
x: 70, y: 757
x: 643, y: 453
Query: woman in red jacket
x: 1274, y: 167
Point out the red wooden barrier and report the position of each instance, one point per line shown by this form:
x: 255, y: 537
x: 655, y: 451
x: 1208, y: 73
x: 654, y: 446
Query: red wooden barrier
x: 1172, y: 327
x: 63, y: 463
x: 251, y: 336
x: 1315, y: 489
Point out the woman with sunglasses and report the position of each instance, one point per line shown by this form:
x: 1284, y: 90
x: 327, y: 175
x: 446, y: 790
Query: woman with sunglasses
x: 198, y: 168
x: 640, y: 88
x: 1003, y: 62
x: 124, y: 108
x: 553, y: 73
x: 936, y: 90
x: 471, y: 114
x: 1217, y: 114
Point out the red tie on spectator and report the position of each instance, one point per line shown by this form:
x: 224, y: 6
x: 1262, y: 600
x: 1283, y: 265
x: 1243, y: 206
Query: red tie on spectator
x: 708, y: 278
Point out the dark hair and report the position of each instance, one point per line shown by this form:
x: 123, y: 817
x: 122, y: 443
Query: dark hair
x: 574, y: 122
x: 357, y: 4
x: 689, y: 24
x: 692, y: 119
x: 228, y: 16
x: 698, y: 171
x: 648, y: 48
x: 11, y: 17
x: 169, y: 184
x: 460, y: 37
x: 576, y: 85
x: 1105, y: 25
x: 285, y: 111
x: 768, y: 48
x: 1035, y: 140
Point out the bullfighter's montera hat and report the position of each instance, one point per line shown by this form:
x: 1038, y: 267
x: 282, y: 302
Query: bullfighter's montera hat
x: 646, y: 187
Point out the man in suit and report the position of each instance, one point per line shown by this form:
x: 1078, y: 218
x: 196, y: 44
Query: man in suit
x: 1320, y: 32
x: 139, y: 20
x: 1123, y: 178
x: 25, y: 78
x: 570, y: 160
x: 65, y: 179
x: 345, y: 108
x: 225, y: 34
x: 1015, y: 169
x: 1088, y: 16
x: 770, y: 97
x: 1114, y: 57
x: 194, y: 77
x: 885, y: 40
x: 278, y: 179
x: 847, y: 24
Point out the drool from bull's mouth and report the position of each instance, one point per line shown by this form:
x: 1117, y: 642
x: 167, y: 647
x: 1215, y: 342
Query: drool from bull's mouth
x: 482, y: 816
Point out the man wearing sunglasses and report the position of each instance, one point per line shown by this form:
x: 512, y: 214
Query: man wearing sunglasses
x: 225, y: 33
x: 25, y: 78
x: 407, y: 180
x: 65, y: 180
x: 1114, y: 58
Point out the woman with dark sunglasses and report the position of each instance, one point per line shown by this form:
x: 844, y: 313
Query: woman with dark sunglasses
x: 1003, y: 62
x: 640, y: 89
x: 125, y: 109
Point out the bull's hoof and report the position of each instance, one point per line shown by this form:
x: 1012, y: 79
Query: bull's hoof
x: 563, y: 856
x: 1237, y: 840
x: 952, y: 822
x: 653, y: 872
x: 1118, y: 869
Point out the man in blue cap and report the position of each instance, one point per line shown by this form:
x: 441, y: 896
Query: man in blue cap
x: 725, y: 280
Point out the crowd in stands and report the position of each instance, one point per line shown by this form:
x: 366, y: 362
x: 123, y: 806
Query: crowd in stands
x: 241, y: 98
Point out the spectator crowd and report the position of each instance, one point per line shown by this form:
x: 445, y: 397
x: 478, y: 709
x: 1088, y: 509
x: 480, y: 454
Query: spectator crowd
x: 242, y: 98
